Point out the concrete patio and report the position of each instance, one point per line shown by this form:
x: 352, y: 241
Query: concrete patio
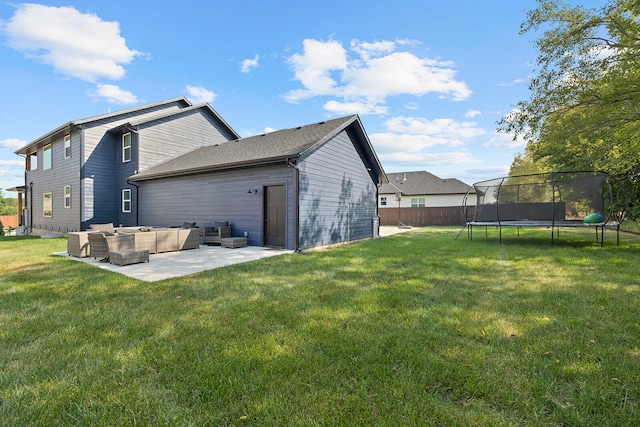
x: 174, y: 264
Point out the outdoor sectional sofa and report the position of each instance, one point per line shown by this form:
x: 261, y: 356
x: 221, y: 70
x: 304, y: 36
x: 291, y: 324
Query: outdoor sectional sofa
x: 93, y: 242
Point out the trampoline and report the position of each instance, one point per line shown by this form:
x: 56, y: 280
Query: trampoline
x: 551, y: 200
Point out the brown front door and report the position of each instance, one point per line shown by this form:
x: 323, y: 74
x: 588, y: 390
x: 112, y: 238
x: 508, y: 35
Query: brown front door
x: 274, y: 216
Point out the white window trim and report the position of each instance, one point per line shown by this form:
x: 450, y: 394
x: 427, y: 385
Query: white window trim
x: 67, y: 145
x: 126, y: 149
x: 420, y: 202
x: 67, y: 197
x: 44, y: 204
x: 383, y: 201
x: 126, y: 197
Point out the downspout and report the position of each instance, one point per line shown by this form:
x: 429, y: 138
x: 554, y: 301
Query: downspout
x: 291, y: 164
x: 81, y: 178
x: 30, y: 207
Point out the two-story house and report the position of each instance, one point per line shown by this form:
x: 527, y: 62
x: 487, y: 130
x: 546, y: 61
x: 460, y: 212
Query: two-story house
x: 170, y: 162
x: 76, y: 174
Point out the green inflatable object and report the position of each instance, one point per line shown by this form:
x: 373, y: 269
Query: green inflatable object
x: 593, y: 218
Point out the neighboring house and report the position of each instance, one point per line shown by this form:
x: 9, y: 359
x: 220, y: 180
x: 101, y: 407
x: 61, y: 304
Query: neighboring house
x: 297, y: 188
x: 422, y: 199
x: 166, y: 163
x: 76, y: 174
x: 422, y: 189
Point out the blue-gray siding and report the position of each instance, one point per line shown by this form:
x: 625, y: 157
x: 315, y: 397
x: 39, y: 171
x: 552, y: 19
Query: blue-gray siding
x: 337, y: 195
x: 102, y: 182
x: 219, y: 196
x: 178, y: 134
x: 63, y: 172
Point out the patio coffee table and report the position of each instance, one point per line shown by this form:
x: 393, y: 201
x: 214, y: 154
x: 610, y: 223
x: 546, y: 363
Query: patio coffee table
x: 233, y: 242
x: 128, y: 256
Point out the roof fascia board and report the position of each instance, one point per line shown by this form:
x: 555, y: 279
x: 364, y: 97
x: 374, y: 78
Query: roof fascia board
x: 383, y: 179
x: 27, y: 148
x: 45, y: 138
x: 382, y: 176
x: 133, y: 109
x: 205, y: 169
x: 204, y: 106
x: 323, y: 140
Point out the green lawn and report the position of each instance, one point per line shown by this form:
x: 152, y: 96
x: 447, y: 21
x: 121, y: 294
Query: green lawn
x: 413, y: 329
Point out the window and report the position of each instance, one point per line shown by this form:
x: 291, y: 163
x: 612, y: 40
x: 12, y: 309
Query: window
x: 32, y: 161
x: 126, y: 200
x: 383, y: 201
x: 46, y: 157
x: 126, y: 147
x: 417, y: 202
x: 47, y: 205
x: 67, y: 196
x: 67, y: 146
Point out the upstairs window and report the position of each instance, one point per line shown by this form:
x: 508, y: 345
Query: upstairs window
x: 67, y: 146
x: 46, y: 157
x: 383, y: 201
x: 32, y: 161
x: 126, y: 200
x: 67, y: 196
x: 418, y: 202
x: 126, y: 147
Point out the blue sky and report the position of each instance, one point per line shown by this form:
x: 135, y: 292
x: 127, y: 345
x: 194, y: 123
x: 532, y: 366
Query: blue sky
x: 428, y: 79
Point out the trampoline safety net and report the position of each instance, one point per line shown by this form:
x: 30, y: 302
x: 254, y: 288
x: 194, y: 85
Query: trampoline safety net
x: 558, y: 199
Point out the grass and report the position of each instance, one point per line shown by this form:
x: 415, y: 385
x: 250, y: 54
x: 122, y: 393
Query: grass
x: 414, y: 329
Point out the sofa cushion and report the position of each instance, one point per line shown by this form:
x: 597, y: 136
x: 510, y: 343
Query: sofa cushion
x: 221, y: 224
x: 103, y: 227
x: 188, y: 225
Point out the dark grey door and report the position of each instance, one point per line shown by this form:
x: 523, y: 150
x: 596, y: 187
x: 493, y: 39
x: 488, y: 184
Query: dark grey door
x: 274, y: 216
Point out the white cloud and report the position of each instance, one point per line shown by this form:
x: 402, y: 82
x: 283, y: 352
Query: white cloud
x: 443, y: 128
x: 248, y: 64
x: 113, y: 94
x: 513, y: 83
x: 505, y: 140
x: 313, y: 68
x: 11, y: 173
x: 346, y: 108
x: 408, y: 143
x: 417, y: 142
x: 428, y: 159
x: 472, y: 113
x: 198, y: 94
x: 76, y: 44
x: 12, y: 163
x: 12, y: 143
x: 378, y: 71
x: 367, y: 50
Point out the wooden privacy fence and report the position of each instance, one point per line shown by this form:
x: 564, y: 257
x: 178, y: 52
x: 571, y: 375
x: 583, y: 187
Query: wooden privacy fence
x: 421, y: 217
x: 9, y: 221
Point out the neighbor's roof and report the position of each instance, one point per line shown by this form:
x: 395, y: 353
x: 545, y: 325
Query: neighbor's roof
x: 264, y: 149
x: 179, y: 100
x: 422, y: 182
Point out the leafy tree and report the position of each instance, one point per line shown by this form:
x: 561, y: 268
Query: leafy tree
x: 8, y: 206
x: 584, y: 110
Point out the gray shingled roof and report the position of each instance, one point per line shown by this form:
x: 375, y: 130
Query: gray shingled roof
x: 255, y: 150
x: 422, y: 182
